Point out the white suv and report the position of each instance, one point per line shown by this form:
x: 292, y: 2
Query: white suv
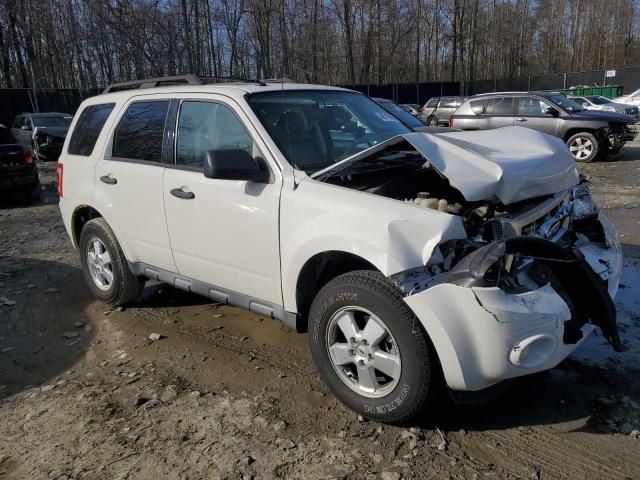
x: 412, y: 259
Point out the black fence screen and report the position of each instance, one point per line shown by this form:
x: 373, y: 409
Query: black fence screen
x: 14, y: 101
x: 628, y: 78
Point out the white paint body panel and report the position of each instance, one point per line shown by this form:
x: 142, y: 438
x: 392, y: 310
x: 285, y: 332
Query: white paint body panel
x: 134, y: 209
x: 392, y: 235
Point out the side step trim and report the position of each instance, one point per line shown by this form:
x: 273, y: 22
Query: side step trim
x: 215, y: 293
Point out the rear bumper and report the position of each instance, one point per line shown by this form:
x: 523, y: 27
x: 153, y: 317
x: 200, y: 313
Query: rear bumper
x: 484, y: 335
x: 20, y: 178
x: 66, y: 211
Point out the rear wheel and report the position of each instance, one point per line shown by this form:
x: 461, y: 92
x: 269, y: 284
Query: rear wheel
x: 432, y: 121
x: 370, y: 349
x: 104, y: 265
x: 583, y: 147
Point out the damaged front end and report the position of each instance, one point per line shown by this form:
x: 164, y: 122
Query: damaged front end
x: 518, y: 295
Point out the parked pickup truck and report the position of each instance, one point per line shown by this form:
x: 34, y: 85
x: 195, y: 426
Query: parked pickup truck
x: 411, y: 258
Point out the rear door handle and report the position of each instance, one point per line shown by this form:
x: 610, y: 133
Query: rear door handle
x: 108, y: 179
x: 521, y: 119
x: 182, y: 193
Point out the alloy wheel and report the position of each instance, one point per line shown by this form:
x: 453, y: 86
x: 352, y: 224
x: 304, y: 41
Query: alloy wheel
x: 363, y: 352
x: 99, y: 264
x: 581, y: 148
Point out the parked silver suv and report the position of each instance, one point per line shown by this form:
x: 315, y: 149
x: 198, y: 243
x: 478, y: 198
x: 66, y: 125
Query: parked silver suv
x: 589, y: 134
x: 438, y: 110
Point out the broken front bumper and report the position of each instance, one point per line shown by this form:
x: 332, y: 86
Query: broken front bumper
x: 484, y: 335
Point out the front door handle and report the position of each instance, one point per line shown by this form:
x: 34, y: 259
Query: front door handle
x: 521, y: 119
x: 108, y: 179
x: 182, y: 193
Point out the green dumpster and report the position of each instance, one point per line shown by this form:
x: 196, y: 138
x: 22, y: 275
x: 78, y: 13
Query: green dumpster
x: 608, y: 91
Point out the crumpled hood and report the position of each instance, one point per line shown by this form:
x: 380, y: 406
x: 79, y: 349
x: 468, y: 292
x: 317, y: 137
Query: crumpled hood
x: 508, y: 164
x: 602, y: 115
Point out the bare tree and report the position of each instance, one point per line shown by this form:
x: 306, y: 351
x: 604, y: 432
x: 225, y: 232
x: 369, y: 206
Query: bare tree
x: 85, y: 43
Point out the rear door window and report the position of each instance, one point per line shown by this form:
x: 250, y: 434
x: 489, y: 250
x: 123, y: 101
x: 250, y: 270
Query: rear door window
x: 432, y: 103
x: 500, y: 106
x: 88, y: 128
x: 532, y: 107
x: 449, y: 102
x: 140, y: 132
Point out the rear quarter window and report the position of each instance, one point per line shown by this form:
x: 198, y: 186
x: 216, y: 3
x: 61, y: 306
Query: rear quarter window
x: 500, y: 106
x: 88, y: 128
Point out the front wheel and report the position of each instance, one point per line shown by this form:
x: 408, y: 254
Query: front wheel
x: 370, y: 349
x: 104, y: 265
x: 583, y: 147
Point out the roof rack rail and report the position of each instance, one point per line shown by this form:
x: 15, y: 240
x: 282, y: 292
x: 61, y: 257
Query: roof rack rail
x: 189, y: 79
x: 226, y: 80
x: 278, y: 80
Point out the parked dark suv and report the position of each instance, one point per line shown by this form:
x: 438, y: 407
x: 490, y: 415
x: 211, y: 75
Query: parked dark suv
x: 43, y: 133
x: 588, y: 133
x: 17, y: 170
x: 438, y: 110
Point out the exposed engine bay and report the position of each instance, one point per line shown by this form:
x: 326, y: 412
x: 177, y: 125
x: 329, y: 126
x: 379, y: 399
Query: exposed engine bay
x: 402, y: 173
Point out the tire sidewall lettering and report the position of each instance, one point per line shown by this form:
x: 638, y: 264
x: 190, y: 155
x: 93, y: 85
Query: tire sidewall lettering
x: 340, y: 297
x: 390, y: 406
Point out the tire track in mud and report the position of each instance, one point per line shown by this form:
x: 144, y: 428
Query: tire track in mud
x: 564, y: 457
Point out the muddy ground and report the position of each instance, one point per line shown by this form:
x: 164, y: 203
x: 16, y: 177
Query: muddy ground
x: 227, y: 394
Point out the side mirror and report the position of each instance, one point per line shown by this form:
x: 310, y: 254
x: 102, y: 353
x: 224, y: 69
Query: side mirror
x: 552, y: 111
x: 235, y: 165
x: 586, y: 105
x: 25, y: 127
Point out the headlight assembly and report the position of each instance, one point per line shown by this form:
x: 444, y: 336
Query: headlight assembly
x: 583, y: 204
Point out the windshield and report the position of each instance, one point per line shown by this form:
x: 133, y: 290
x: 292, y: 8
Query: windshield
x: 598, y: 100
x: 400, y: 113
x: 317, y: 128
x: 52, y: 121
x: 564, y: 103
